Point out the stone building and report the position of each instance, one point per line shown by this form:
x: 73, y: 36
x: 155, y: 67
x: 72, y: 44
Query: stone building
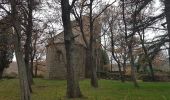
x: 56, y: 54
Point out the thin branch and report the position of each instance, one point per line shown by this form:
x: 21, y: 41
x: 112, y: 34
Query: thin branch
x: 103, y: 10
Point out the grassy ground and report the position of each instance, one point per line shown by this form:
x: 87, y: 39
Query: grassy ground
x: 108, y: 90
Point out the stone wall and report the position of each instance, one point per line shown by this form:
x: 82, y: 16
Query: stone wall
x: 56, y: 61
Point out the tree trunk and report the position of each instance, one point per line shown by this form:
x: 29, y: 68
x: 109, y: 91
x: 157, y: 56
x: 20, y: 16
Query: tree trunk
x: 32, y: 68
x: 124, y: 67
x: 29, y: 75
x: 119, y: 66
x: 111, y: 64
x: 151, y: 69
x: 87, y: 66
x: 73, y: 89
x: 133, y: 68
x: 117, y: 61
x: 33, y: 52
x: 149, y: 61
x: 94, y: 80
x: 1, y: 73
x: 167, y: 12
x: 130, y: 47
x: 126, y: 34
x: 28, y: 44
x: 121, y: 73
x: 36, y: 69
x: 25, y: 93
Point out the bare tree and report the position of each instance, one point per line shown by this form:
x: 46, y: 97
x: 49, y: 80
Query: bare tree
x: 27, y: 48
x: 129, y: 38
x: 93, y: 39
x: 111, y: 20
x: 15, y: 19
x: 73, y: 89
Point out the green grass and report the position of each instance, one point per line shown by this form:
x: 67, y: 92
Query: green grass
x: 108, y: 90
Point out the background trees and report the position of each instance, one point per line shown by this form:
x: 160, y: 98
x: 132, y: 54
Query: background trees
x: 6, y: 47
